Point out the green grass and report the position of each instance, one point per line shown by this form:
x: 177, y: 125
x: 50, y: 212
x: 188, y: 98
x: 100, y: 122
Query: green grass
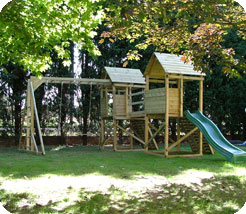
x: 223, y: 192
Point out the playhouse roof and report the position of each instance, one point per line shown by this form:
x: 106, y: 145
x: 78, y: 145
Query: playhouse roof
x: 161, y: 63
x: 125, y: 75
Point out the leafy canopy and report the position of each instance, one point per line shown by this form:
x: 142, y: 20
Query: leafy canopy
x: 195, y: 28
x: 30, y: 29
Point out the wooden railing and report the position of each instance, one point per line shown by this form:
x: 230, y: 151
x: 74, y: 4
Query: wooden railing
x: 136, y: 103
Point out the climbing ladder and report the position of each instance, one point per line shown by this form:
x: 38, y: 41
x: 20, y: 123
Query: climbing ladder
x: 193, y: 140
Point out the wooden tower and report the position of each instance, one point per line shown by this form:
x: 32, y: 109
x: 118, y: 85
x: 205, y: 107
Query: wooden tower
x: 122, y: 103
x: 165, y: 76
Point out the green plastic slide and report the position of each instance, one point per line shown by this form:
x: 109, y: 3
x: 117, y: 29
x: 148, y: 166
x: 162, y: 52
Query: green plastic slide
x: 215, y: 138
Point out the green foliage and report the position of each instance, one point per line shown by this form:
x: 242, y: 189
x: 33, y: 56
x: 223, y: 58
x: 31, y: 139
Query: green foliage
x: 224, y: 96
x: 13, y: 81
x: 195, y: 28
x: 31, y: 29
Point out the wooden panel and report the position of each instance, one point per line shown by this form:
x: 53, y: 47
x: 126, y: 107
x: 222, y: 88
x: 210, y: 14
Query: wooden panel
x: 155, y: 101
x: 174, y: 102
x: 156, y: 70
x: 120, y: 105
x: 104, y: 107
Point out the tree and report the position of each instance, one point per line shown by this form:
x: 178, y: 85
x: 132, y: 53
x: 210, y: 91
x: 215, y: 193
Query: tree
x: 193, y: 28
x: 31, y: 29
x: 15, y: 79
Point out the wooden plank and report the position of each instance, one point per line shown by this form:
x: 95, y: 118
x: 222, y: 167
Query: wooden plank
x: 28, y: 116
x: 184, y: 156
x: 130, y: 134
x: 131, y: 138
x: 173, y: 76
x: 67, y: 80
x: 161, y: 154
x: 182, y: 138
x: 115, y: 135
x: 153, y: 127
x: 37, y: 119
x: 136, y: 103
x: 181, y: 97
x: 135, y: 113
x: 102, y: 134
x: 155, y: 143
x: 32, y: 123
x: 154, y: 135
x: 114, y: 101
x: 201, y: 110
x: 126, y: 100
x: 136, y: 93
x: 166, y: 116
x: 34, y: 143
x: 178, y: 135
x: 129, y: 85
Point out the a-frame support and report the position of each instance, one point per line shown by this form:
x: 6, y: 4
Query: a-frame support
x: 31, y: 115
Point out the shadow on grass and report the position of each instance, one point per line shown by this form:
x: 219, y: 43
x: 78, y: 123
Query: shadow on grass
x: 223, y: 195
x: 79, y: 160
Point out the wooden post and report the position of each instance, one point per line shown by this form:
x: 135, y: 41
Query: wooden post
x: 201, y: 110
x: 127, y: 111
x: 114, y: 120
x: 102, y: 133
x: 167, y: 115
x: 178, y: 134
x: 131, y: 138
x: 146, y: 119
x: 32, y: 125
x: 28, y: 136
x: 181, y: 94
x: 34, y: 143
x: 151, y: 134
x: 37, y: 119
x: 146, y: 132
x: 114, y: 102
x: 115, y: 135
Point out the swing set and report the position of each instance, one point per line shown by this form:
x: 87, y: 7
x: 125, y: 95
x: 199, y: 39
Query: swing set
x: 30, y: 114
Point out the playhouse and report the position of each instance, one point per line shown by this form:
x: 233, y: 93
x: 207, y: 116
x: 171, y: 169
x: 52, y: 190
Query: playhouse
x: 131, y: 101
x: 165, y: 102
x: 159, y: 97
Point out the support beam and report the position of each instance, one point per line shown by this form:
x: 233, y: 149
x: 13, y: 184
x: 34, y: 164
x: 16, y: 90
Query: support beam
x: 28, y: 116
x: 34, y: 143
x: 201, y: 110
x: 67, y: 80
x: 181, y: 96
x: 146, y: 132
x: 102, y: 134
x: 166, y: 116
x: 178, y: 134
x: 37, y: 119
x: 151, y: 134
x: 183, y: 138
x: 154, y: 135
x: 130, y: 134
x: 115, y: 135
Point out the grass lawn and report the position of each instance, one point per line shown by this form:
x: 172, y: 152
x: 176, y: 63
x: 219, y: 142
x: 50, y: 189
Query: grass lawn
x: 85, y: 180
